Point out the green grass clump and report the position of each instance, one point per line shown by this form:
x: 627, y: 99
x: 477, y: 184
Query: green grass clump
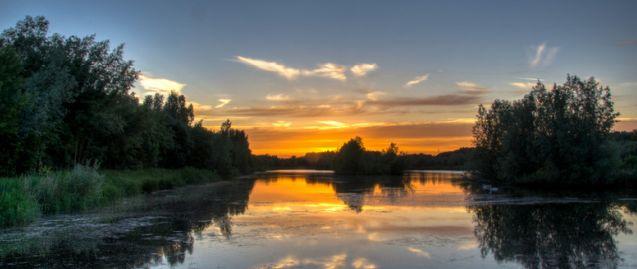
x: 66, y: 191
x: 17, y: 207
x: 23, y: 199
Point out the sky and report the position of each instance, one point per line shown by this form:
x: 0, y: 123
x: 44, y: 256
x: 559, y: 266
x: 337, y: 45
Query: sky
x: 303, y: 76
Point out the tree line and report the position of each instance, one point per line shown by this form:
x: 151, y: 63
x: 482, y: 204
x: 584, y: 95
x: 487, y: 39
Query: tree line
x: 353, y: 158
x: 557, y: 137
x: 68, y: 100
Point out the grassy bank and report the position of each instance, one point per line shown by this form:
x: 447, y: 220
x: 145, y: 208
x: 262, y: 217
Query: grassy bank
x: 23, y: 199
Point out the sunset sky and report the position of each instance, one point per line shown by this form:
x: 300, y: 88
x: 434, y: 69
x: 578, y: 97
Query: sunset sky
x: 303, y: 76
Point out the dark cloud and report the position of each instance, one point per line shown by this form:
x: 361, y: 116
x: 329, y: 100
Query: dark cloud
x: 440, y: 100
x: 347, y: 107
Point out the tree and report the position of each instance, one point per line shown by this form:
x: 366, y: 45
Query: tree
x: 555, y: 137
x: 68, y: 100
x: 349, y: 158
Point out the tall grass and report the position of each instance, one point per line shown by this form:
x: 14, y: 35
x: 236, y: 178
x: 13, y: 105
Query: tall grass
x: 23, y: 199
x: 66, y: 191
x: 17, y: 206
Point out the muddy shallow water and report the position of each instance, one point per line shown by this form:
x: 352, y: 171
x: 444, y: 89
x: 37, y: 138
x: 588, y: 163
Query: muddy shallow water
x: 310, y: 219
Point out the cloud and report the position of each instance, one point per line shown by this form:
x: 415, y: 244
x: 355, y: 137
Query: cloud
x: 361, y: 70
x: 333, y: 123
x: 223, y: 102
x: 471, y: 87
x: 531, y: 79
x: 200, y: 108
x: 373, y: 104
x: 417, y: 80
x: 375, y: 95
x: 428, y: 137
x: 362, y: 263
x: 467, y: 245
x: 325, y: 70
x: 280, y: 69
x: 281, y: 123
x: 278, y: 97
x: 522, y: 85
x: 419, y: 252
x: 151, y: 85
x: 440, y: 100
x: 543, y: 55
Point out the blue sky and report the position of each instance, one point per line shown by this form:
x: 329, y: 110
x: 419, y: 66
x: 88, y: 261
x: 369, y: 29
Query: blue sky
x: 470, y: 52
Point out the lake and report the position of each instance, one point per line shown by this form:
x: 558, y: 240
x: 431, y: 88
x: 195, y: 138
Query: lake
x: 313, y: 219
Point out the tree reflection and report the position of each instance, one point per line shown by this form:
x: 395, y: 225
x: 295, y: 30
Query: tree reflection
x: 560, y: 235
x: 355, y: 193
x: 125, y: 245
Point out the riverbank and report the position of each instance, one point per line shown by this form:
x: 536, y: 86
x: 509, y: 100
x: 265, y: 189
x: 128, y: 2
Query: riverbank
x: 23, y: 199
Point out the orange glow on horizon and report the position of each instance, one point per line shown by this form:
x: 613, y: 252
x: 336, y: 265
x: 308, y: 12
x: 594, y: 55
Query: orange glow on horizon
x: 288, y: 148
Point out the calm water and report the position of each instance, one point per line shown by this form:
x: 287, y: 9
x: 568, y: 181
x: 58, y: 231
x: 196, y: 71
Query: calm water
x: 303, y: 219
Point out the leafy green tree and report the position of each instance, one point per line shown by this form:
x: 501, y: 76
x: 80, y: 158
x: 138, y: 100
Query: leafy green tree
x: 12, y: 101
x: 558, y: 137
x: 68, y: 100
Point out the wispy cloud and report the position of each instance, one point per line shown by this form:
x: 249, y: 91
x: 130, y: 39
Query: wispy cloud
x: 200, y: 108
x: 429, y: 137
x: 543, y: 55
x: 152, y: 85
x: 419, y: 252
x: 278, y: 97
x: 417, y: 80
x: 362, y: 263
x: 333, y: 124
x: 280, y: 69
x: 522, y: 85
x: 375, y: 103
x: 375, y: 95
x: 361, y: 70
x: 471, y: 87
x: 281, y: 123
x: 325, y: 70
x: 440, y: 100
x: 223, y: 102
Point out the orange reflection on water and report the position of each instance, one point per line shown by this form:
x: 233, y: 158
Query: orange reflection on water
x: 371, y: 210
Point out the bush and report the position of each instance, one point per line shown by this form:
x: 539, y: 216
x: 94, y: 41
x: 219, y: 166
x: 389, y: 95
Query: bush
x: 67, y: 191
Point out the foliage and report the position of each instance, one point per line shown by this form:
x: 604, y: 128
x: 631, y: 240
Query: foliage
x: 625, y: 144
x: 17, y: 206
x: 557, y: 137
x: 23, y: 198
x: 68, y: 100
x: 391, y: 161
x: 353, y: 159
x: 66, y: 191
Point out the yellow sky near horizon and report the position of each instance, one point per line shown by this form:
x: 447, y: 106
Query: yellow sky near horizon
x: 429, y: 137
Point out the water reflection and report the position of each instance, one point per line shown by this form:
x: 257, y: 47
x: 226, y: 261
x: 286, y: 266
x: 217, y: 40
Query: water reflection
x: 159, y: 229
x: 563, y: 235
x: 318, y: 220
